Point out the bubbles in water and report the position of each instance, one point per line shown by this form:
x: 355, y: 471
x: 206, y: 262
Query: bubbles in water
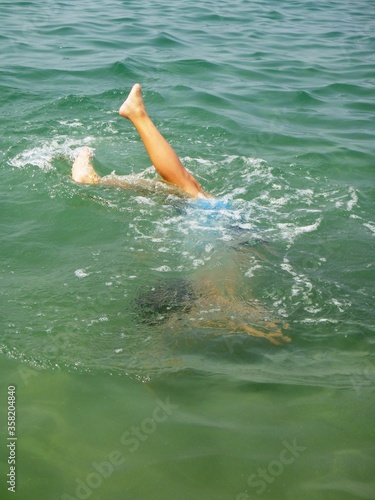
x: 81, y: 273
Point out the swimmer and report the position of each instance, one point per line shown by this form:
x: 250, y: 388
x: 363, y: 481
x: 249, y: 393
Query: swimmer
x: 161, y: 153
x: 179, y: 180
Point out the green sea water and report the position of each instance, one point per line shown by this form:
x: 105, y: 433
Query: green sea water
x: 271, y: 105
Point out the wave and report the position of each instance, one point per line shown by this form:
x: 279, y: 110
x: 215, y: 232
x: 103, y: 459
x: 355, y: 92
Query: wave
x: 43, y: 155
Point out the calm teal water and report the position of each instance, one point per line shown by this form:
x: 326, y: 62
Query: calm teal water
x: 271, y: 105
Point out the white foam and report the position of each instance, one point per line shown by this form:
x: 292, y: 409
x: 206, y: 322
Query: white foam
x: 319, y: 320
x: 162, y: 269
x: 74, y: 124
x: 354, y: 199
x: 289, y: 231
x: 371, y: 226
x: 237, y: 191
x: 250, y: 272
x: 81, y: 273
x: 338, y: 304
x: 142, y: 200
x: 42, y: 156
x: 302, y: 285
x: 198, y: 262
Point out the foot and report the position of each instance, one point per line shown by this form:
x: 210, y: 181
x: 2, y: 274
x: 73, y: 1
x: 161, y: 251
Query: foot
x: 276, y: 337
x: 134, y: 105
x: 82, y: 170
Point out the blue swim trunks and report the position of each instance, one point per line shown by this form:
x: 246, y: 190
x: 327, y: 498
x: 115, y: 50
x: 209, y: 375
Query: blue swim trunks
x: 223, y: 219
x: 216, y: 204
x: 213, y: 213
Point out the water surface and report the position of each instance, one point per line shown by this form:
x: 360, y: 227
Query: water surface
x: 270, y: 104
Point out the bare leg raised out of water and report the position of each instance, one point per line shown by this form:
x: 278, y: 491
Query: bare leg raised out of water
x: 161, y: 153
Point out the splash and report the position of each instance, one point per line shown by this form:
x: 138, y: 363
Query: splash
x: 42, y: 156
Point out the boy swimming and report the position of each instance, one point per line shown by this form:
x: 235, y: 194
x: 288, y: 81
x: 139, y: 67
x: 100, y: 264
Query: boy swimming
x: 234, y: 313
